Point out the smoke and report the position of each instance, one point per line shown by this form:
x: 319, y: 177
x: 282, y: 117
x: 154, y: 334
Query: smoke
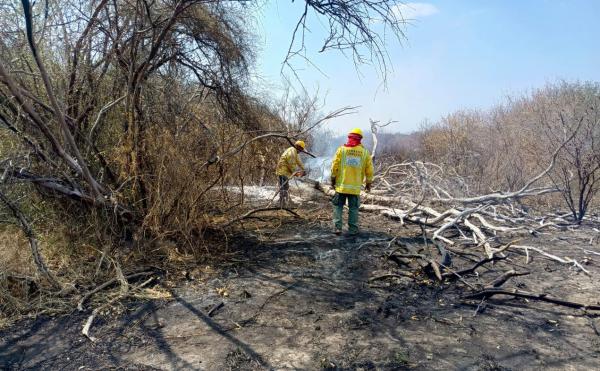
x: 319, y: 168
x: 323, y: 144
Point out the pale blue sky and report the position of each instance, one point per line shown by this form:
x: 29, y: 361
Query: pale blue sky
x: 458, y: 54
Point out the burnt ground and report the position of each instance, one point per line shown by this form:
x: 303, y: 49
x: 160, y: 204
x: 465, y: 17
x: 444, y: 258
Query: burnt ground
x: 298, y: 297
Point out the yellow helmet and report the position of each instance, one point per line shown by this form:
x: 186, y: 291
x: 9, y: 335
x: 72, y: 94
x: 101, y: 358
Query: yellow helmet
x: 356, y: 131
x: 300, y: 143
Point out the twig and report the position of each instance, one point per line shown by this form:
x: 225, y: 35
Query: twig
x: 374, y: 243
x: 505, y: 277
x: 480, y: 307
x: 460, y: 278
x: 105, y: 285
x: 242, y: 323
x: 90, y: 320
x: 215, y: 308
x: 475, y: 266
x: 593, y: 325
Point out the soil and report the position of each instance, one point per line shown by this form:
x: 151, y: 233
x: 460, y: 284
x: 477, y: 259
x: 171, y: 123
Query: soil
x: 298, y: 297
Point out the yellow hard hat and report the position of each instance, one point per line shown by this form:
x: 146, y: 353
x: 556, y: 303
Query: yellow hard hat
x: 300, y: 143
x: 356, y: 131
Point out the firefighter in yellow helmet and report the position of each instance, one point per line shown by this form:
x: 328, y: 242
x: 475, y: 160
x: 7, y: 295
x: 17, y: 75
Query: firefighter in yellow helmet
x: 352, y: 165
x: 286, y: 168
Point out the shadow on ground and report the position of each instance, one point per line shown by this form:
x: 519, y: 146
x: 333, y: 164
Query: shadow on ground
x: 303, y: 300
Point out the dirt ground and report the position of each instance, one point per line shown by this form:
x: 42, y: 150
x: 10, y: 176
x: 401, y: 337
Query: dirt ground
x: 299, y: 298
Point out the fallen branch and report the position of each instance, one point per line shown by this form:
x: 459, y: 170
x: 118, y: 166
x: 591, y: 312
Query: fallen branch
x: 489, y: 292
x: 427, y: 262
x: 459, y: 277
x: 501, y: 280
x: 105, y: 285
x: 474, y: 267
x: 565, y: 260
x: 391, y: 275
x: 90, y: 320
x: 215, y: 308
x: 252, y: 212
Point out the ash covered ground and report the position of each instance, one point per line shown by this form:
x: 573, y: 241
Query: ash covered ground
x: 296, y: 297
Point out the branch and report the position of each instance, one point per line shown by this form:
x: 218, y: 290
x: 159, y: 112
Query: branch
x: 489, y: 292
x: 523, y: 192
x: 565, y: 260
x: 100, y: 115
x: 94, y: 185
x: 33, y: 243
x: 105, y: 285
x: 252, y: 212
x: 58, y: 186
x: 505, y: 277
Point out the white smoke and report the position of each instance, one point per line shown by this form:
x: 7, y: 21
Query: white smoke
x: 323, y: 144
x: 319, y: 168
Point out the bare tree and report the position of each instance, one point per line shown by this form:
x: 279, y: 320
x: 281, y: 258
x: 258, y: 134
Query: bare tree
x: 563, y: 108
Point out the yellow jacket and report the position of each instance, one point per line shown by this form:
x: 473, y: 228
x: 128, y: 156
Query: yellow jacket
x: 351, y: 166
x: 288, y: 162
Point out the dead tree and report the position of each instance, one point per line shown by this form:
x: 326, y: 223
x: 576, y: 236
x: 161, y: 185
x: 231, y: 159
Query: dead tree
x: 578, y: 170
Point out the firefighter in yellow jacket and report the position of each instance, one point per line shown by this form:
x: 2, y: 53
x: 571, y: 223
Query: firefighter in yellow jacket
x: 286, y: 168
x: 352, y: 165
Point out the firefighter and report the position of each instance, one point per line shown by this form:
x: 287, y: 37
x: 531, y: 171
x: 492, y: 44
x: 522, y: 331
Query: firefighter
x: 286, y: 168
x: 352, y: 166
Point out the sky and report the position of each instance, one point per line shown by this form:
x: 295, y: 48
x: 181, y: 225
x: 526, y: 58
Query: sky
x: 457, y: 54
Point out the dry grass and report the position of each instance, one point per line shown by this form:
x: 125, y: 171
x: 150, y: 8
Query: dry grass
x: 23, y: 292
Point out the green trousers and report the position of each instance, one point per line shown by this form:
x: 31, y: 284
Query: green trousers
x: 338, y: 201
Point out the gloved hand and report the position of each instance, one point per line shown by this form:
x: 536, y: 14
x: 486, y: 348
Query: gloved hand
x: 368, y: 187
x: 332, y: 181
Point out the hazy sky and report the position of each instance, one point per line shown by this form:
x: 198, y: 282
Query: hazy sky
x: 457, y: 54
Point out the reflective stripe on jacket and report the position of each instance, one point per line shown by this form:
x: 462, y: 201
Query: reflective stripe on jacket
x: 289, y: 160
x: 351, y: 166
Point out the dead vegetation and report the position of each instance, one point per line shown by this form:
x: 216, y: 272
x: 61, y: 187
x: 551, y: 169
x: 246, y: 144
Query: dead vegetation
x: 292, y: 295
x: 502, y: 148
x: 125, y: 132
x: 461, y: 225
x: 123, y: 127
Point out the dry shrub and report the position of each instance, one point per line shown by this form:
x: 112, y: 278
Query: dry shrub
x: 188, y: 190
x: 186, y: 195
x: 178, y: 189
x: 23, y: 291
x: 132, y: 144
x: 502, y: 148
